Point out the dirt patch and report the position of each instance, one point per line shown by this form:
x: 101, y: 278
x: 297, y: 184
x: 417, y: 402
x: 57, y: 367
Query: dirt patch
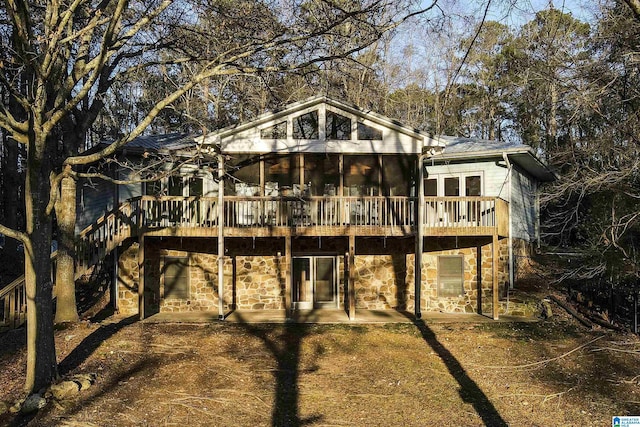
x: 547, y: 373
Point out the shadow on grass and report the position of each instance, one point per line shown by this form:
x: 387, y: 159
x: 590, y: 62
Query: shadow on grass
x: 469, y: 391
x: 284, y: 342
x: 91, y: 343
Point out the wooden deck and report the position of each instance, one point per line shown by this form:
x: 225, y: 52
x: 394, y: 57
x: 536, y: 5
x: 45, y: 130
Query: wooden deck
x: 320, y: 216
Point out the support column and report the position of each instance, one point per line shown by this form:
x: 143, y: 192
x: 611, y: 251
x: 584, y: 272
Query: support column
x: 352, y: 277
x: 494, y: 282
x: 220, y: 237
x: 141, y: 277
x: 287, y: 276
x: 419, y: 233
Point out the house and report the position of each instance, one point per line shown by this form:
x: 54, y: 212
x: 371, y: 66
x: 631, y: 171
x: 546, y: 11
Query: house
x: 319, y: 205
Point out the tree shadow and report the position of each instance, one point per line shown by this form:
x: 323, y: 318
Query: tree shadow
x: 91, y: 343
x: 284, y: 342
x: 469, y: 391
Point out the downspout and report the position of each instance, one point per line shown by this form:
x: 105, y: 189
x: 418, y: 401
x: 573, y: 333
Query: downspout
x: 510, y: 237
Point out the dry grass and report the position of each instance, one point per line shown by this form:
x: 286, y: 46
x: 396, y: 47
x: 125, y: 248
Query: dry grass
x: 547, y: 373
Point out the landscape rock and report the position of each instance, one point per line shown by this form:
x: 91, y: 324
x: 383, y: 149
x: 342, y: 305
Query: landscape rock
x: 84, y: 381
x: 64, y: 390
x: 545, y: 309
x: 33, y: 403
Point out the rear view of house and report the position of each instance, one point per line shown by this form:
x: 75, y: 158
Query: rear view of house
x: 323, y: 205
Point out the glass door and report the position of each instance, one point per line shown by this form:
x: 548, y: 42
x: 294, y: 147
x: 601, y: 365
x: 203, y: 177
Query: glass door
x: 314, y: 283
x: 324, y: 285
x: 302, y: 289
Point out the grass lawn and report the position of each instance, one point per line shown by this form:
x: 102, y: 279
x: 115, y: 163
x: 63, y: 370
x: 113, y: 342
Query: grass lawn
x: 549, y: 373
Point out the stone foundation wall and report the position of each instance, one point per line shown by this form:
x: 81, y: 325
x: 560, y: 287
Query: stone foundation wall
x: 260, y: 282
x: 128, y: 279
x: 384, y: 276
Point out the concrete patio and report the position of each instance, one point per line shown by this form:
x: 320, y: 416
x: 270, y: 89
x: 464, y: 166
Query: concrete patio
x: 328, y: 316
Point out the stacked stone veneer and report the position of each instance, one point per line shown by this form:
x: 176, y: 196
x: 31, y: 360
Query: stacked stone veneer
x: 257, y: 281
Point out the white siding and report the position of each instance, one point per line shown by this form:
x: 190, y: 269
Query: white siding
x: 493, y: 176
x: 523, y: 208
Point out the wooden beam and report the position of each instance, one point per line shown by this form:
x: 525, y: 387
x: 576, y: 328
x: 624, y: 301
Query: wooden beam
x: 494, y: 282
x: 351, y: 286
x: 220, y: 237
x: 287, y: 276
x: 141, y: 277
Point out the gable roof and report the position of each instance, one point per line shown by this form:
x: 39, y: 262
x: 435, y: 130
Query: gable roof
x: 242, y: 130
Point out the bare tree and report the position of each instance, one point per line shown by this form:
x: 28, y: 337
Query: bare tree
x: 74, y: 52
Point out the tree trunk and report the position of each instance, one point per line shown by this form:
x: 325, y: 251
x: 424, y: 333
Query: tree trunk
x: 66, y: 310
x: 41, y: 351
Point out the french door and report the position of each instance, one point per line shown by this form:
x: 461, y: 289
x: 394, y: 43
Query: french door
x: 314, y: 282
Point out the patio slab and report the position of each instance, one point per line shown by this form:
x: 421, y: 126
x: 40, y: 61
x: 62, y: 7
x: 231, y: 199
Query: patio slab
x: 328, y: 316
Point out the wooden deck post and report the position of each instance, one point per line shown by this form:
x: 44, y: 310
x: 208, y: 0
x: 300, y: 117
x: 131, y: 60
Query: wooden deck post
x: 220, y: 237
x: 494, y: 282
x: 351, y: 285
x: 419, y: 233
x: 287, y: 275
x: 141, y: 276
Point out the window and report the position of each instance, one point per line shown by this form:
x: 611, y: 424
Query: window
x: 366, y: 132
x: 153, y: 188
x: 450, y: 276
x: 337, y: 126
x: 175, y: 186
x: 361, y: 175
x: 397, y: 175
x: 195, y: 186
x: 176, y: 278
x: 306, y: 126
x: 277, y: 131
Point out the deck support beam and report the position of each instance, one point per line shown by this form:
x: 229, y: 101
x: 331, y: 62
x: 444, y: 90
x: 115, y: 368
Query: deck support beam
x: 141, y: 275
x: 220, y: 237
x: 494, y: 282
x: 419, y: 233
x: 288, y: 262
x: 351, y: 286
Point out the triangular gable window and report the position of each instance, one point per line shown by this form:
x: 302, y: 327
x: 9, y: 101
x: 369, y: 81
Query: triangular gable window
x: 277, y: 131
x: 338, y: 127
x: 366, y: 132
x: 306, y: 126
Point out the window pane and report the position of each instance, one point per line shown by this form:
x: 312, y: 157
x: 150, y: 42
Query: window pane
x: 338, y: 127
x: 283, y: 170
x: 361, y: 175
x: 451, y: 187
x: 368, y: 132
x: 153, y: 188
x: 246, y: 170
x: 397, y: 175
x: 450, y: 276
x: 323, y: 173
x: 306, y: 126
x: 175, y: 186
x: 277, y: 131
x: 472, y: 186
x: 176, y: 278
x: 195, y: 187
x: 431, y: 187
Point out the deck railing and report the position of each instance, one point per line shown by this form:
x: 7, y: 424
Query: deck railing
x: 13, y: 304
x: 258, y: 212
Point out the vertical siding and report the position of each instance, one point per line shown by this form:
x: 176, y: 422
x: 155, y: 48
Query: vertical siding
x: 523, y: 208
x: 94, y: 199
x: 128, y: 191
